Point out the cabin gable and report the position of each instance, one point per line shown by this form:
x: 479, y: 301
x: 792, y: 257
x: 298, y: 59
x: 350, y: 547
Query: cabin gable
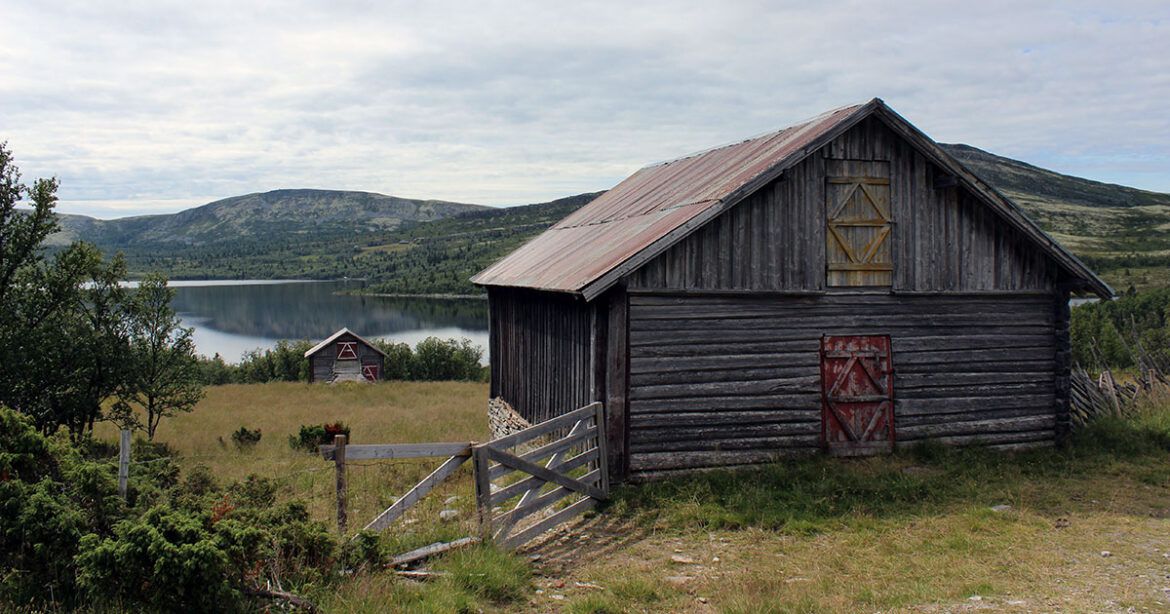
x: 345, y: 357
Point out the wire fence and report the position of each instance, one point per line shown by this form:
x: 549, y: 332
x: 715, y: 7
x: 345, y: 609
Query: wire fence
x: 373, y: 485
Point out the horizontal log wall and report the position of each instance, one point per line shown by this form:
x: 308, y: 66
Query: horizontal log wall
x: 733, y: 380
x: 943, y: 238
x: 540, y: 345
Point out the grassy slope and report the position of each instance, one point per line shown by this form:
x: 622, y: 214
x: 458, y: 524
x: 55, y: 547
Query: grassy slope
x: 1123, y: 232
x: 893, y: 534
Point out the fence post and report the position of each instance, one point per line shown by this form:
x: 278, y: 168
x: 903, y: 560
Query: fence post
x: 123, y: 462
x: 483, y: 489
x: 339, y: 463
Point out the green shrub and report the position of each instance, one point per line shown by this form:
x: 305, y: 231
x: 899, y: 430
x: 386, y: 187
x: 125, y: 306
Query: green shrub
x: 1116, y: 334
x: 433, y: 359
x: 166, y: 560
x: 399, y: 358
x: 215, y: 371
x: 67, y: 540
x: 245, y: 438
x: 283, y: 363
x: 311, y: 436
x: 438, y: 359
x: 50, y: 496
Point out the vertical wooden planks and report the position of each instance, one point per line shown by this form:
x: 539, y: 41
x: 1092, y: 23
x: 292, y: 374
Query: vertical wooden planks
x: 542, y: 351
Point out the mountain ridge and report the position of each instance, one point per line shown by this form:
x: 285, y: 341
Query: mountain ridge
x: 281, y: 212
x: 1010, y: 175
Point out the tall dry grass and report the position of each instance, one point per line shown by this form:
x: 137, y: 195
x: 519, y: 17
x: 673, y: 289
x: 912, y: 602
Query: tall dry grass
x: 389, y: 412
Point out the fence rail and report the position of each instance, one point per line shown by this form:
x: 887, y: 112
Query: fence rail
x: 340, y: 454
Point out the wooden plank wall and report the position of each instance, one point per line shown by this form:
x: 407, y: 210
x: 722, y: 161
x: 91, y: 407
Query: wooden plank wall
x: 541, y: 356
x: 944, y: 240
x: 732, y: 380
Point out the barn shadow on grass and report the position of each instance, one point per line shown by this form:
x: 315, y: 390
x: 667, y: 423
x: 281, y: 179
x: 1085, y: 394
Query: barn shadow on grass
x: 821, y: 494
x: 593, y: 537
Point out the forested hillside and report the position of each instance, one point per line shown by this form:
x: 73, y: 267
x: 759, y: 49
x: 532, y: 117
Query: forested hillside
x: 419, y: 258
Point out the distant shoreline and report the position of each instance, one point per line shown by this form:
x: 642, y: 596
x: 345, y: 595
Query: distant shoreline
x: 188, y: 283
x: 476, y: 297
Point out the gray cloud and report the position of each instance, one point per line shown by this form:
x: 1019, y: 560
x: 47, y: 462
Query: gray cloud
x: 142, y: 107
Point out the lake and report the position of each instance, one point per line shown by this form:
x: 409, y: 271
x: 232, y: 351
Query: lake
x: 232, y: 317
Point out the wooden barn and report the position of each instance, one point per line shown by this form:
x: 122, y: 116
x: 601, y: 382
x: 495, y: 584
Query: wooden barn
x: 345, y: 357
x: 841, y: 285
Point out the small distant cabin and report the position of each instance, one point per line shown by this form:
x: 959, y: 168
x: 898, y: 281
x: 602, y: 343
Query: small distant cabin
x: 345, y: 357
x: 842, y: 285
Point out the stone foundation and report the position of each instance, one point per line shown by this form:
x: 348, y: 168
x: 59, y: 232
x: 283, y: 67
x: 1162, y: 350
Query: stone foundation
x: 503, y: 420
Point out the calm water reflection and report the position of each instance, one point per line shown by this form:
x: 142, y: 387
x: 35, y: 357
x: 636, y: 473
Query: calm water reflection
x: 232, y: 317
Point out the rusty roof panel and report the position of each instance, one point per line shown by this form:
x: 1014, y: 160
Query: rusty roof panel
x: 648, y: 205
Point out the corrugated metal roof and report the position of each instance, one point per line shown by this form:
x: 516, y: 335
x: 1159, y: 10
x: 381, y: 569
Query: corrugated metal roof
x: 591, y: 248
x: 647, y: 206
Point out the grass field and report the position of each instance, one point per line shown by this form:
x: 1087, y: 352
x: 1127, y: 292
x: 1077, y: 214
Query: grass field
x: 913, y: 532
x: 387, y: 413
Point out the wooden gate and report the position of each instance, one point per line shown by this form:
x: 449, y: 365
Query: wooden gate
x: 536, y: 470
x: 857, y: 392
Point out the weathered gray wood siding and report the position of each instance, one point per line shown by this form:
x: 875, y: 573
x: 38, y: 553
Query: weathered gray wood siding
x: 943, y: 239
x: 540, y: 351
x: 731, y: 380
x: 321, y: 363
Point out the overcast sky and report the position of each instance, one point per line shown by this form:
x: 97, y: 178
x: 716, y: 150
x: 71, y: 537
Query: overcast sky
x: 151, y: 107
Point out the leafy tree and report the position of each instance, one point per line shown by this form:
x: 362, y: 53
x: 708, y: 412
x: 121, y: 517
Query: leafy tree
x: 62, y: 333
x: 64, y: 321
x: 21, y: 232
x: 163, y: 374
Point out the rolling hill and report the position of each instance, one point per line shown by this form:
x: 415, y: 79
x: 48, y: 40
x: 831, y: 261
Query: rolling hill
x: 271, y: 215
x: 1096, y: 220
x: 432, y: 247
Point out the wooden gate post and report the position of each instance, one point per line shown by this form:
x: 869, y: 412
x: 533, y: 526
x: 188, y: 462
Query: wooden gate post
x: 339, y: 463
x: 481, y: 470
x: 123, y: 462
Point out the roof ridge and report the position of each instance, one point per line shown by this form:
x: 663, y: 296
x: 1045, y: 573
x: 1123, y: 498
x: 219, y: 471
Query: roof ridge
x: 763, y: 135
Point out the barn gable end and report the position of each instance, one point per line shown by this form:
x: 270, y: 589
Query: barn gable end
x: 943, y: 239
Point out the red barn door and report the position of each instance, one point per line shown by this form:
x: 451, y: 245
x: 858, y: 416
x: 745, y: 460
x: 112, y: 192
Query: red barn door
x: 857, y: 394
